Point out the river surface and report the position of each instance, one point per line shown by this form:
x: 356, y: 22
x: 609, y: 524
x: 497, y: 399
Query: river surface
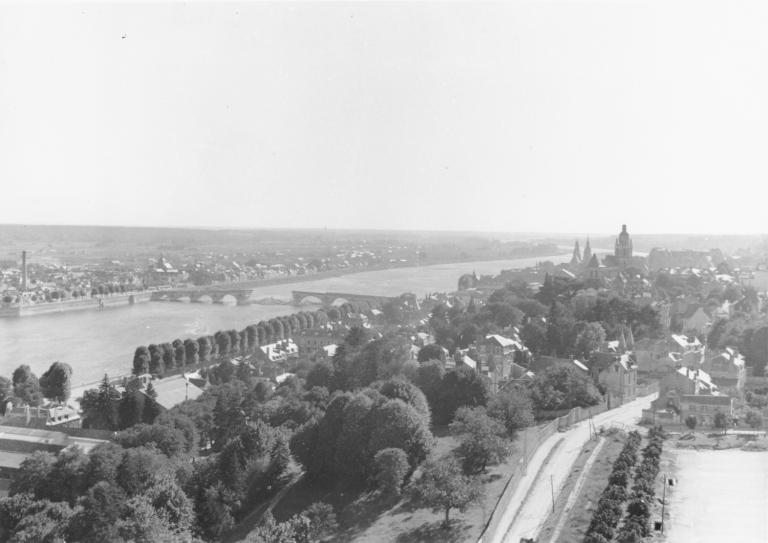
x: 98, y: 342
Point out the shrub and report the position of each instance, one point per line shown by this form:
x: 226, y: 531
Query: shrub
x: 391, y: 467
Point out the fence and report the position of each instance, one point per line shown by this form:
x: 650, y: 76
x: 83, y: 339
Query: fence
x: 532, y: 439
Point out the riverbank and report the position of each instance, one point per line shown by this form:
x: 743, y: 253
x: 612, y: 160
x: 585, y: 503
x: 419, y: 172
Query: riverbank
x: 65, y: 306
x: 341, y: 272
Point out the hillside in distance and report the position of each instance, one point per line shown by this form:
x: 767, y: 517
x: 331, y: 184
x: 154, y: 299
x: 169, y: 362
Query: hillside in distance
x: 93, y: 244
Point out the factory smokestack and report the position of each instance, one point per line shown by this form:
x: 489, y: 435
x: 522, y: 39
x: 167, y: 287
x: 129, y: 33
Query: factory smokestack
x: 23, y: 271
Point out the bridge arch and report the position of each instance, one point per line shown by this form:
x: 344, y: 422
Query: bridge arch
x: 227, y: 299
x: 203, y: 299
x: 307, y: 300
x: 339, y: 302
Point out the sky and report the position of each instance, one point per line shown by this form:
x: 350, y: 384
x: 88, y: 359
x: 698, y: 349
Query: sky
x: 529, y: 116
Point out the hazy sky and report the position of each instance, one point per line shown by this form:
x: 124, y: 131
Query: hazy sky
x: 521, y: 116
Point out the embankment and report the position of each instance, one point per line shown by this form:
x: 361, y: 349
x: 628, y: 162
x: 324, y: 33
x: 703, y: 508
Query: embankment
x: 114, y: 300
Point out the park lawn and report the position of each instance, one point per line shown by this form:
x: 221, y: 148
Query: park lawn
x: 580, y: 515
x: 364, y: 515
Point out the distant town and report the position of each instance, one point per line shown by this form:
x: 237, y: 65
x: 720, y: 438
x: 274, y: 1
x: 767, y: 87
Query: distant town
x: 358, y: 416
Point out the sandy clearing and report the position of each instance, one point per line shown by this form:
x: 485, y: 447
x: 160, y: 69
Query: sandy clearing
x: 720, y: 497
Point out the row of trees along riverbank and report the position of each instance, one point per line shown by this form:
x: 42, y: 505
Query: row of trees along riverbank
x: 164, y: 357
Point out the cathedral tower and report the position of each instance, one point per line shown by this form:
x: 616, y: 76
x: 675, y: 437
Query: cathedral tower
x: 623, y: 250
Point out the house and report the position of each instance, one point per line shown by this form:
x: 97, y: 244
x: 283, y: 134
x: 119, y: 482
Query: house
x: 540, y: 363
x: 704, y: 407
x: 314, y: 341
x: 619, y: 377
x: 497, y: 351
x: 683, y: 382
x: 657, y: 356
x: 727, y: 368
x: 50, y: 417
x: 695, y: 319
x: 279, y: 351
x: 684, y: 392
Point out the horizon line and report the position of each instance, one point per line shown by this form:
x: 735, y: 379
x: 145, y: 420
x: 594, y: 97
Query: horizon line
x: 363, y: 229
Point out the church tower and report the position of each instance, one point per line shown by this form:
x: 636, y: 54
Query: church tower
x: 576, y: 258
x: 587, y: 253
x: 623, y: 249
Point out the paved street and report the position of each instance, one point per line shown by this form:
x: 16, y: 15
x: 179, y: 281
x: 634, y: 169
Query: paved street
x: 525, y: 519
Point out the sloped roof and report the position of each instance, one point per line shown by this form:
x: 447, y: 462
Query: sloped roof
x: 580, y: 365
x: 691, y: 310
x: 504, y: 341
x: 697, y: 375
x: 469, y: 361
x: 706, y: 399
x: 685, y: 341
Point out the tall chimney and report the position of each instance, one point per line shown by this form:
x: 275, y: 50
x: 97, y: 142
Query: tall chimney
x: 23, y: 271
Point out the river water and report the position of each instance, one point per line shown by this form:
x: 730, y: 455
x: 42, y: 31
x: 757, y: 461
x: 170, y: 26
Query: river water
x: 97, y: 342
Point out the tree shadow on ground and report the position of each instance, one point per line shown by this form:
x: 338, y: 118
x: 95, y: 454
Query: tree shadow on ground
x: 435, y: 532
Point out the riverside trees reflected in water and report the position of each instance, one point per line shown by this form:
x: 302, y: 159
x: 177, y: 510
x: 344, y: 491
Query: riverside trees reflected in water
x: 95, y: 342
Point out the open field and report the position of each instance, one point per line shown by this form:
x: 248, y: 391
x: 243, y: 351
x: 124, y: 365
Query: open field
x: 720, y: 496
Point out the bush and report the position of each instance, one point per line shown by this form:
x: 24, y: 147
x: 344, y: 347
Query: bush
x: 391, y: 468
x: 691, y: 421
x: 754, y: 418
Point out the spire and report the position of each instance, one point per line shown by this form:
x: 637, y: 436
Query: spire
x: 630, y: 339
x: 587, y: 252
x: 576, y: 258
x: 622, y: 342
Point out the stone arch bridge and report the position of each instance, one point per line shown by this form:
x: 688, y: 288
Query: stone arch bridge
x: 241, y: 296
x: 329, y: 299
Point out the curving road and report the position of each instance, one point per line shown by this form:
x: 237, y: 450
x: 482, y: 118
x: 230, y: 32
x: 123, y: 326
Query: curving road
x: 531, y: 502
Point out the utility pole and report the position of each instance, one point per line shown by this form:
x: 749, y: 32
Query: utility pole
x: 663, y: 502
x: 525, y: 451
x: 552, y: 489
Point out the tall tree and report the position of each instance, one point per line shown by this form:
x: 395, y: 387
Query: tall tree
x: 483, y: 439
x: 141, y: 360
x: 26, y: 386
x: 100, y: 406
x: 443, y: 486
x: 56, y: 383
x: 589, y: 338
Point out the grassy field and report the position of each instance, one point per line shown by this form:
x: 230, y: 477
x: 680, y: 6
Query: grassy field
x: 580, y: 515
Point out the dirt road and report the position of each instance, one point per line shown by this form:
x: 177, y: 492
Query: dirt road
x: 532, y: 499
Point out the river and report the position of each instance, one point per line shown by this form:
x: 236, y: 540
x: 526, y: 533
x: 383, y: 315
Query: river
x: 98, y: 342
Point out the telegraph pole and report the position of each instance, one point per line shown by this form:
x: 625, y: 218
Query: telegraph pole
x: 552, y: 489
x: 663, y: 502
